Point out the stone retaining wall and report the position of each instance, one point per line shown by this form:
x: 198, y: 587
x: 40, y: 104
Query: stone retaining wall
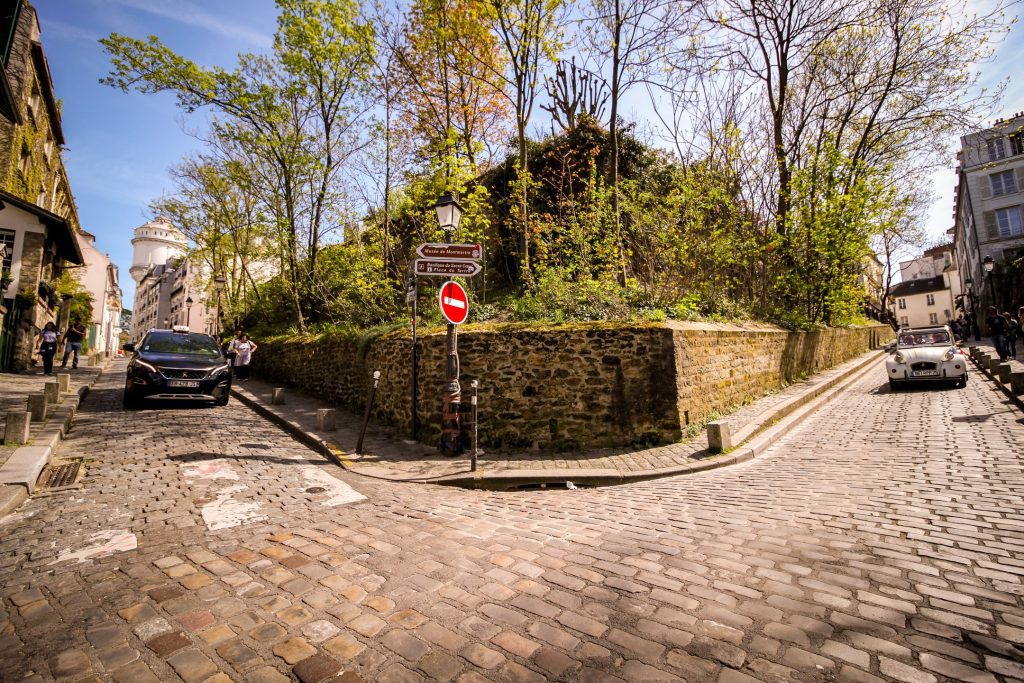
x: 567, y: 387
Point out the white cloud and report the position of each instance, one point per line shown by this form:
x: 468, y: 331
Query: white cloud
x: 188, y: 13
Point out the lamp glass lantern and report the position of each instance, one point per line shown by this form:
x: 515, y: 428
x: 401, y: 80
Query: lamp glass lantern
x: 218, y: 283
x: 989, y: 264
x: 449, y: 212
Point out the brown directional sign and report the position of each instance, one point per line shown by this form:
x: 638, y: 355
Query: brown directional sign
x: 450, y: 251
x: 426, y: 266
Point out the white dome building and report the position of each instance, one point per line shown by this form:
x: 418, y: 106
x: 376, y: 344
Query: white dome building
x: 155, y: 243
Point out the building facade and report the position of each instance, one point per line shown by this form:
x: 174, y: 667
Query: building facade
x: 989, y: 215
x: 170, y: 289
x: 38, y: 220
x: 99, y: 277
x: 928, y: 291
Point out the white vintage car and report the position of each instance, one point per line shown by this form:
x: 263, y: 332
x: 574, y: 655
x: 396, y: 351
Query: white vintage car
x: 926, y: 354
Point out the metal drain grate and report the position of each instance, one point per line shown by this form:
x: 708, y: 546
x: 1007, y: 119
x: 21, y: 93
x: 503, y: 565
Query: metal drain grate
x: 60, y: 475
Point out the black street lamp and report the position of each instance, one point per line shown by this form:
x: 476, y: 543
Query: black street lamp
x: 218, y: 286
x: 989, y: 264
x: 188, y: 313
x: 449, y: 214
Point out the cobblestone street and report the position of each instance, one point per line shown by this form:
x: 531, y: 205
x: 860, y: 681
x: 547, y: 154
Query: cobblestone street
x: 881, y: 540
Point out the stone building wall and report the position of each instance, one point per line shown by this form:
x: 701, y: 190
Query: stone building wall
x: 566, y: 387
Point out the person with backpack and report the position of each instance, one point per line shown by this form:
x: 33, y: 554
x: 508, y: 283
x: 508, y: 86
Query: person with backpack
x: 73, y: 343
x: 1012, y: 331
x: 46, y: 346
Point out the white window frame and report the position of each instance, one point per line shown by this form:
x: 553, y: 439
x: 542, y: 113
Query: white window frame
x: 1003, y: 183
x: 903, y: 304
x: 1009, y: 221
x: 930, y: 298
x: 933, y: 318
x: 904, y: 321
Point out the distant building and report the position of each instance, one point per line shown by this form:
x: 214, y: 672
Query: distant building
x: 929, y: 289
x: 100, y: 279
x: 989, y: 214
x: 166, y: 281
x: 37, y: 212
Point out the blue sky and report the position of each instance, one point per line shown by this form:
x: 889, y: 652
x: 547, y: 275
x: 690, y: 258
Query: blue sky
x: 120, y: 146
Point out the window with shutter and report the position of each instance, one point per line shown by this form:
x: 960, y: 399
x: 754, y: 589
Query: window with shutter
x: 996, y: 149
x: 1009, y: 222
x: 1002, y: 183
x: 1017, y: 142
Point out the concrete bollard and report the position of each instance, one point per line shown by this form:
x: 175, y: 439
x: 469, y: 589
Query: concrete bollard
x: 719, y: 436
x: 1017, y: 382
x: 277, y: 396
x: 1002, y: 372
x: 326, y: 420
x: 17, y: 425
x: 37, y: 406
x: 52, y: 392
x: 973, y: 351
x: 64, y: 382
x: 92, y: 361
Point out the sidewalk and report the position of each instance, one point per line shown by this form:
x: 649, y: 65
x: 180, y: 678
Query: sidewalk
x: 388, y: 454
x: 21, y: 463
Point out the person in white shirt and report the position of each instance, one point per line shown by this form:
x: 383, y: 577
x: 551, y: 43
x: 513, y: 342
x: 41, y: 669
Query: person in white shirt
x: 46, y: 346
x: 243, y: 348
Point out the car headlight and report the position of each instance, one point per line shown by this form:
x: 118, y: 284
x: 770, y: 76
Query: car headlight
x: 144, y: 364
x: 949, y: 355
x: 219, y: 369
x: 899, y: 358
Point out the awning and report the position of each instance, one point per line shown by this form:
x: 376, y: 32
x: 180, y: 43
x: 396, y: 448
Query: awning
x: 58, y: 229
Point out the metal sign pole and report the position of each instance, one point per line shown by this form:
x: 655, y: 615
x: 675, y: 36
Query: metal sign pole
x: 414, y: 292
x: 472, y: 458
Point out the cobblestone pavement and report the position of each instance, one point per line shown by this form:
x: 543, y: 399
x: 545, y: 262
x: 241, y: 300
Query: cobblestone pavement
x: 883, y: 540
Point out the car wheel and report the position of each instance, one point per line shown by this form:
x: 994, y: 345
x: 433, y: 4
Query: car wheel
x: 892, y: 385
x: 222, y: 401
x: 963, y: 382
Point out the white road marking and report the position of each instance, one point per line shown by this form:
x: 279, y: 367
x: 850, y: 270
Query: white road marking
x: 340, y: 492
x: 209, y: 469
x: 103, y: 543
x: 226, y: 512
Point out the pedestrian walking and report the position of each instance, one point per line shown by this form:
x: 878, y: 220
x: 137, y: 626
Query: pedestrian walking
x: 997, y: 331
x: 73, y: 343
x: 1012, y: 331
x: 46, y: 346
x: 243, y: 348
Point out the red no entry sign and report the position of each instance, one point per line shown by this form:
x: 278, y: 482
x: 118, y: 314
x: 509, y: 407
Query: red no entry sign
x: 454, y: 303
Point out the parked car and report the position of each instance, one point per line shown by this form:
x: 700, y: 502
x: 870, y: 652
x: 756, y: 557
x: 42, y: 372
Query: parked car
x: 926, y: 354
x: 177, y: 364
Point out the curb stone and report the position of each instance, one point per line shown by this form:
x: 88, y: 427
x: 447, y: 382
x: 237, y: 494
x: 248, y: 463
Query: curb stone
x: 16, y: 484
x: 752, y: 440
x: 1015, y: 399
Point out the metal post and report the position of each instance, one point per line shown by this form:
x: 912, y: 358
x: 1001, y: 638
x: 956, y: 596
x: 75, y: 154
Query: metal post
x: 414, y: 293
x: 366, y: 415
x: 472, y: 457
x: 451, y: 428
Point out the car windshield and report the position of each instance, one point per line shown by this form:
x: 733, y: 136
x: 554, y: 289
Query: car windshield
x: 924, y: 338
x: 179, y: 343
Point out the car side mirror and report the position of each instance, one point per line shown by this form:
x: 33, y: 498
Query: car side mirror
x: 231, y: 355
x: 129, y: 348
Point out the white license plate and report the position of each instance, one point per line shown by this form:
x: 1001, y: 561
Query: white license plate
x: 182, y: 383
x: 925, y: 373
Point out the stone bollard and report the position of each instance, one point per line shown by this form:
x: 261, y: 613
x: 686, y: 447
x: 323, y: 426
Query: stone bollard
x: 92, y: 361
x: 1017, y: 382
x: 17, y: 425
x: 973, y: 351
x: 277, y: 396
x: 37, y: 406
x: 52, y: 392
x: 326, y: 420
x: 64, y: 382
x: 1002, y: 373
x: 719, y: 436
